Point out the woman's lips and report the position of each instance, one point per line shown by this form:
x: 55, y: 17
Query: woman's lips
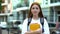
x: 35, y: 12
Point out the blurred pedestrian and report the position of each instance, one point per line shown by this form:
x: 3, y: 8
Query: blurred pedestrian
x: 58, y: 27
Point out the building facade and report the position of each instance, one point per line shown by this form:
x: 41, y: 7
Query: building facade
x: 5, y: 10
x: 50, y: 10
x: 20, y: 8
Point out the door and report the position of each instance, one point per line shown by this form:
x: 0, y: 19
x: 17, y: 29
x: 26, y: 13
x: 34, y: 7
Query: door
x: 58, y: 16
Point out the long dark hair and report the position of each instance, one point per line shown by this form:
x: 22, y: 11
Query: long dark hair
x: 40, y: 13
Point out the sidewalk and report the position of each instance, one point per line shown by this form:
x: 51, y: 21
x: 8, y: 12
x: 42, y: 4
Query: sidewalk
x: 5, y: 32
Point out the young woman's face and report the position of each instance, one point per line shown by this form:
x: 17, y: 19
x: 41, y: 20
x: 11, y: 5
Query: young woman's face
x: 35, y: 9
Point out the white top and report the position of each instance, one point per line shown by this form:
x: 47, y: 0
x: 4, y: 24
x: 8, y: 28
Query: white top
x: 46, y: 27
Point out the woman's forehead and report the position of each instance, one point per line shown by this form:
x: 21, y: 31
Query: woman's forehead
x: 35, y: 6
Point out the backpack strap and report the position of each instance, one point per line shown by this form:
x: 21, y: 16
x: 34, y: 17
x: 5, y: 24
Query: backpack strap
x: 29, y: 21
x: 42, y: 22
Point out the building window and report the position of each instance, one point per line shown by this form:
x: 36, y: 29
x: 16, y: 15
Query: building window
x: 3, y: 1
x: 8, y: 11
x: 46, y: 0
x: 20, y: 3
x: 58, y: 18
x: 22, y: 15
x: 8, y: 1
x: 2, y: 19
x: 46, y: 3
x: 23, y: 3
x: 58, y: 12
x: 54, y: 1
x: 3, y: 9
x: 51, y: 15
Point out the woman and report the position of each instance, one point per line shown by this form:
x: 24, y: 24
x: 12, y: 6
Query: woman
x: 35, y: 13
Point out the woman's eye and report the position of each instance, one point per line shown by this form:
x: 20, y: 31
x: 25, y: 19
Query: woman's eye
x: 33, y: 8
x: 36, y: 8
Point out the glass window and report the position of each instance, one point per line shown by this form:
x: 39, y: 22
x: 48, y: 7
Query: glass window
x: 51, y: 15
x: 1, y: 19
x: 8, y: 11
x: 54, y: 1
x: 20, y: 3
x: 58, y: 18
x: 46, y: 3
x: 58, y: 0
x: 23, y: 3
x: 8, y: 1
x: 52, y: 24
x: 58, y: 12
x: 46, y: 0
x: 22, y: 15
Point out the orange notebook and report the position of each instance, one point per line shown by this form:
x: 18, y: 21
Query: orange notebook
x: 34, y: 26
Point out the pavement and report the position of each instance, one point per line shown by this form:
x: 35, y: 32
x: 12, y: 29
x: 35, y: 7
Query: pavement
x: 4, y: 31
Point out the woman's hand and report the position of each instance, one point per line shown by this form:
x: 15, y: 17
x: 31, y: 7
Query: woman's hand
x: 28, y: 33
x: 39, y: 31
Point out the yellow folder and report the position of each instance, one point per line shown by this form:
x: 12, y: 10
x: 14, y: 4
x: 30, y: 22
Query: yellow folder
x: 34, y: 26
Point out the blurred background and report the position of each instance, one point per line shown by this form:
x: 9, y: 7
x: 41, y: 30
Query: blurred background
x: 13, y: 12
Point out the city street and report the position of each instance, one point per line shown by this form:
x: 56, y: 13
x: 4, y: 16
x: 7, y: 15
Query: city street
x: 14, y: 12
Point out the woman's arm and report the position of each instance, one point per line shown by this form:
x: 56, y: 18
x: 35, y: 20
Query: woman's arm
x: 46, y: 27
x: 34, y: 32
x: 24, y: 26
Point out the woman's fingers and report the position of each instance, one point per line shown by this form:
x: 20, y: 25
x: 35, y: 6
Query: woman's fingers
x: 27, y: 32
x: 39, y: 31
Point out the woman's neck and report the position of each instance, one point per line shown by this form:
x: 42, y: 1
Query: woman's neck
x: 35, y: 17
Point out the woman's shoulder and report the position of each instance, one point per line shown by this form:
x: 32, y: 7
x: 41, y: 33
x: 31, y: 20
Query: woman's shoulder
x: 25, y: 19
x: 44, y: 19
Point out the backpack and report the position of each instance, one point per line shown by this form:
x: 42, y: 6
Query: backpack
x: 41, y: 21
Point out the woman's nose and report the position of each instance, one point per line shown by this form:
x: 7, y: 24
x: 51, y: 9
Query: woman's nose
x: 35, y: 9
